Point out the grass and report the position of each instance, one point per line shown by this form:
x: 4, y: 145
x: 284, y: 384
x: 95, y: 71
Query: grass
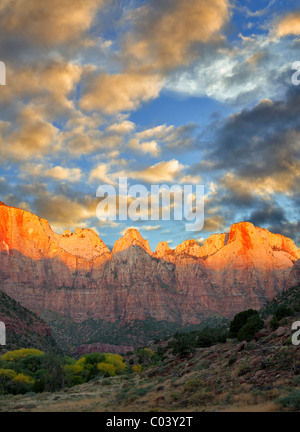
x: 292, y: 400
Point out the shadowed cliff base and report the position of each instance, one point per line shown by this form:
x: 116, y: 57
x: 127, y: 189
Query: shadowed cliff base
x: 92, y: 335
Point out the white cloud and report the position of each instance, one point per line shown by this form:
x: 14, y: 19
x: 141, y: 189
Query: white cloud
x: 253, y: 70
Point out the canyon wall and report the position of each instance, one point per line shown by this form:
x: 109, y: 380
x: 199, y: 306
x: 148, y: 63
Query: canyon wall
x: 76, y: 275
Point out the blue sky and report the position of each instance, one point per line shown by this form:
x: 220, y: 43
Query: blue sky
x: 173, y: 92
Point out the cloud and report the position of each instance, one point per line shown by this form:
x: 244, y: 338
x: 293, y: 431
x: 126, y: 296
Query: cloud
x: 86, y: 134
x: 254, y: 159
x: 150, y: 147
x: 259, y: 148
x: 116, y: 93
x: 57, y: 172
x: 289, y: 25
x: 158, y: 132
x: 32, y: 137
x: 40, y: 22
x: 189, y: 179
x: 150, y: 227
x: 163, y: 36
x: 101, y: 173
x: 256, y: 67
x: 161, y: 172
x: 267, y: 214
x: 274, y: 218
x: 170, y: 137
x: 125, y: 127
x: 166, y: 33
x: 214, y: 223
x: 65, y: 213
x: 258, y: 13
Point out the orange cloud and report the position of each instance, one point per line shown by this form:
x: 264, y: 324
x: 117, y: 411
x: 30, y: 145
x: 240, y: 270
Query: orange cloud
x: 161, y: 172
x: 214, y: 223
x: 33, y: 137
x: 150, y: 147
x: 50, y: 82
x: 48, y: 23
x: 65, y: 213
x: 167, y: 32
x: 57, y: 172
x: 120, y: 92
x: 289, y: 25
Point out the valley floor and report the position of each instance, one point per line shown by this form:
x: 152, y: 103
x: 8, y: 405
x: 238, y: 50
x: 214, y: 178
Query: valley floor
x: 226, y: 377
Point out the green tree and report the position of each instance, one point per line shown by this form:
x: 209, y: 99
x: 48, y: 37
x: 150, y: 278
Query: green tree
x: 280, y: 313
x: 239, y: 321
x: 252, y: 326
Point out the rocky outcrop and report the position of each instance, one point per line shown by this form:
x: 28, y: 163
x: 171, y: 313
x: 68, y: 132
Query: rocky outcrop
x: 76, y: 275
x: 131, y: 238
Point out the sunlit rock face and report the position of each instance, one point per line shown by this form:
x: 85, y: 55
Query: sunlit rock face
x: 132, y: 237
x: 75, y: 274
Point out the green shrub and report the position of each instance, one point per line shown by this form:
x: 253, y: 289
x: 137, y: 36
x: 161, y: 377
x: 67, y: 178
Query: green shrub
x: 292, y: 400
x: 244, y: 368
x: 185, y: 344
x: 239, y: 321
x: 252, y: 326
x: 94, y: 358
x: 279, y: 314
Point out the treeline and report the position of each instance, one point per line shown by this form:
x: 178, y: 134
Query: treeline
x: 31, y: 370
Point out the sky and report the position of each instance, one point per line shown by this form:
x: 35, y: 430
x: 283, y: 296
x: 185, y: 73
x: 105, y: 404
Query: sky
x: 171, y: 92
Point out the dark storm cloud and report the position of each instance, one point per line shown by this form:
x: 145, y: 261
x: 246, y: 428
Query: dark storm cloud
x: 268, y: 214
x: 254, y: 159
x: 262, y: 141
x: 257, y: 148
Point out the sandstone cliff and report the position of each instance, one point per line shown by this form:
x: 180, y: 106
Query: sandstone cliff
x: 76, y: 275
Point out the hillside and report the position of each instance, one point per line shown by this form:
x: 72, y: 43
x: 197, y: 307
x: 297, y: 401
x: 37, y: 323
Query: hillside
x: 260, y: 375
x: 24, y: 329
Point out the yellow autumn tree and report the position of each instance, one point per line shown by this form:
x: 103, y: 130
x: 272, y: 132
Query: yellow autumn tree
x: 21, y: 354
x: 137, y: 368
x: 23, y: 379
x: 107, y: 369
x: 117, y: 361
x: 6, y: 376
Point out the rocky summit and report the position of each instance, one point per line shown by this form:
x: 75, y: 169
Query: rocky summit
x: 76, y: 275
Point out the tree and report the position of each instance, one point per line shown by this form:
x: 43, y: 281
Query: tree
x: 252, y: 326
x: 240, y: 320
x: 280, y: 313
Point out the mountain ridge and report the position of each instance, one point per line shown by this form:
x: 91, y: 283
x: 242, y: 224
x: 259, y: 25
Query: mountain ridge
x: 76, y: 275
